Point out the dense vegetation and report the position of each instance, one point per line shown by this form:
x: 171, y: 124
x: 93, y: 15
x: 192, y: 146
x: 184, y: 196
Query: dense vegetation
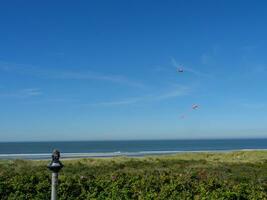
x: 237, y: 175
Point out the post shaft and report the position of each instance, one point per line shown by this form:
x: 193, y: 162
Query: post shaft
x: 54, y: 186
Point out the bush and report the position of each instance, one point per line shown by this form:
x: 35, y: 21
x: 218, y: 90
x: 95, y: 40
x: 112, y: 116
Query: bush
x: 126, y: 178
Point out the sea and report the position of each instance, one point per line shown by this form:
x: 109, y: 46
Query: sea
x: 90, y: 149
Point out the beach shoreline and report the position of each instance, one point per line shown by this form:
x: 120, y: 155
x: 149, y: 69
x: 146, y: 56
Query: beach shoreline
x: 74, y: 156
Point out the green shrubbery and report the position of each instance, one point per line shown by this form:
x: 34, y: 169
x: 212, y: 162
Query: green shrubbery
x: 143, y: 178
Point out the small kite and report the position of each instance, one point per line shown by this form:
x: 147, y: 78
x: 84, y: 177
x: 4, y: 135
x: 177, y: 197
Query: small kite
x: 195, y: 106
x: 180, y: 70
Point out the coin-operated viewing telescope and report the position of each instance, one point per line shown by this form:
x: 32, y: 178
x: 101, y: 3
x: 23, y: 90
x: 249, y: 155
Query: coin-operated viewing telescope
x: 55, y: 166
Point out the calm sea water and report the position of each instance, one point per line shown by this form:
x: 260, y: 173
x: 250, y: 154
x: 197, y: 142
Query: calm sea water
x: 42, y: 150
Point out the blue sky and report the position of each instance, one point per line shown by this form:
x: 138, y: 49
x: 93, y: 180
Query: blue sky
x: 105, y: 70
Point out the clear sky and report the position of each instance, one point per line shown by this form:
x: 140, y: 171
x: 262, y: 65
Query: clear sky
x: 103, y: 70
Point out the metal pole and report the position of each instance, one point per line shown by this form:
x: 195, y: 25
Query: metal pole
x: 55, y: 166
x: 54, y: 186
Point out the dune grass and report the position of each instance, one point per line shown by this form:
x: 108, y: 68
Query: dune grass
x: 231, y: 175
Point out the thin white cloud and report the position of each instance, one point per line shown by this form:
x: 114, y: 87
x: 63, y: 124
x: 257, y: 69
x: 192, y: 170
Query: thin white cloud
x: 259, y: 69
x: 198, y: 73
x: 249, y: 48
x: 68, y: 74
x: 177, y: 92
x: 174, y: 63
x: 254, y: 106
x: 119, y: 102
x: 253, y: 70
x: 24, y: 93
x: 31, y: 92
x: 89, y: 75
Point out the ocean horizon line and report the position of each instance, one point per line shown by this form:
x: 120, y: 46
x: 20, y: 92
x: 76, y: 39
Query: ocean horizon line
x: 130, y: 140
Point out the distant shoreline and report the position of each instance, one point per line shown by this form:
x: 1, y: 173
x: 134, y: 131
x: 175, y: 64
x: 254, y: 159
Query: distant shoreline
x: 69, y: 156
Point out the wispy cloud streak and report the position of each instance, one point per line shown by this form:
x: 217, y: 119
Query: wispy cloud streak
x: 254, y: 106
x: 119, y: 102
x: 24, y: 93
x: 68, y: 74
x: 89, y: 75
x: 177, y: 92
